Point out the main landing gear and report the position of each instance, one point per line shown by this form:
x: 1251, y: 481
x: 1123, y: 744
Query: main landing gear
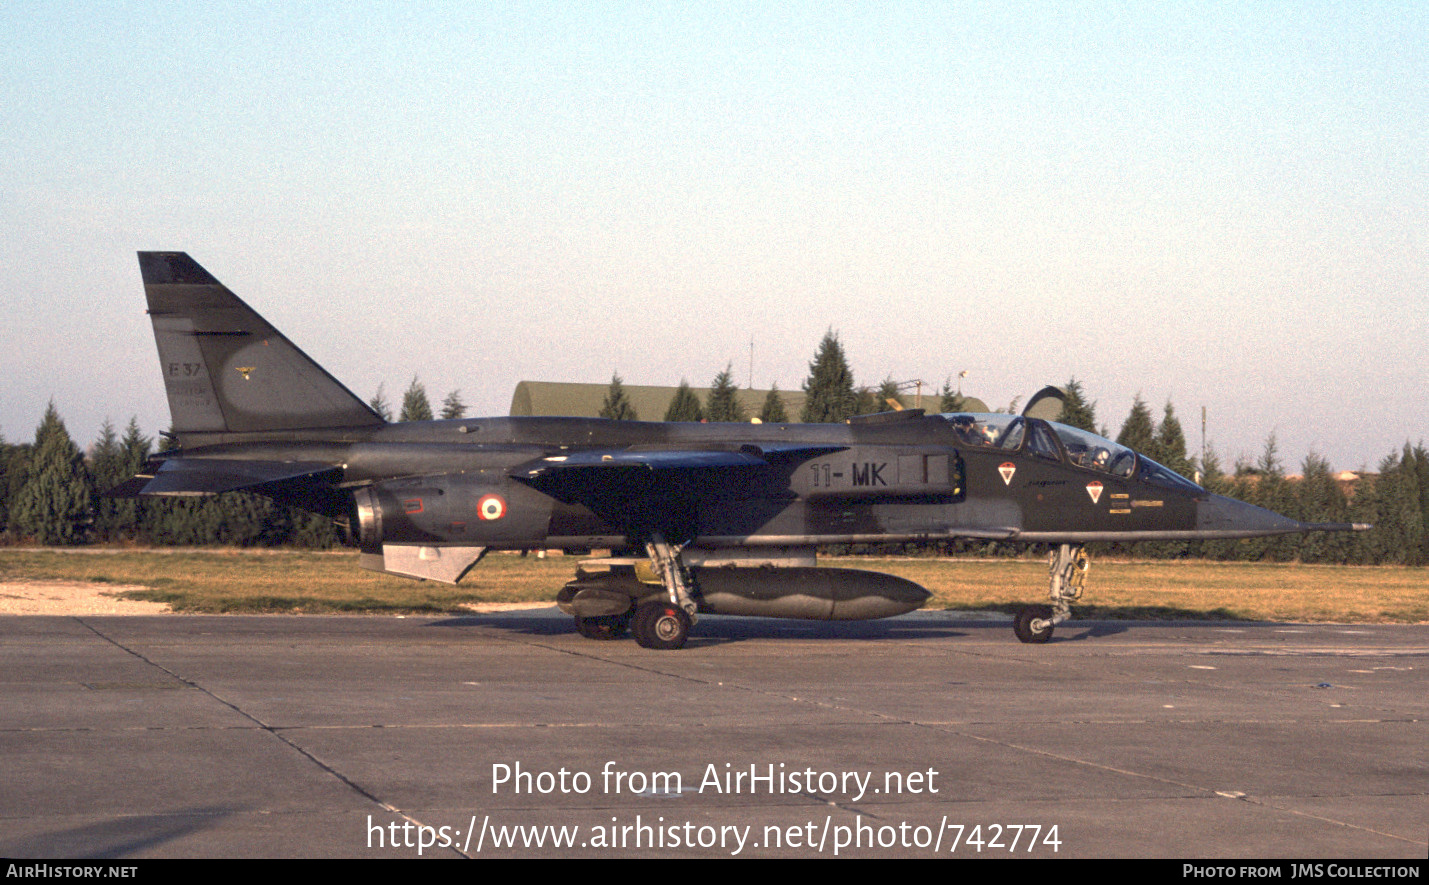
x: 658, y: 613
x: 665, y: 624
x: 1068, y: 569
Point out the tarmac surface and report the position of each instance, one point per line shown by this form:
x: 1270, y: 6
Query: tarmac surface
x: 930, y: 734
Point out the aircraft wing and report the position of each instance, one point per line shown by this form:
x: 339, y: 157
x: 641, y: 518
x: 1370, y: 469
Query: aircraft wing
x: 207, y: 476
x: 660, y: 489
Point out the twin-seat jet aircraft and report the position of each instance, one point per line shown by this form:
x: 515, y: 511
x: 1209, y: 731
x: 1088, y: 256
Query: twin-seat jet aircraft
x: 702, y: 518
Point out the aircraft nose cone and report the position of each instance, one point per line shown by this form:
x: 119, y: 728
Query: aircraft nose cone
x: 1229, y: 518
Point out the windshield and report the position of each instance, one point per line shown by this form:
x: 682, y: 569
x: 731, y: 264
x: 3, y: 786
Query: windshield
x: 1165, y: 476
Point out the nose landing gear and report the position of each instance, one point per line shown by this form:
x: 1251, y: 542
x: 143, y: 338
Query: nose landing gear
x: 1069, y: 564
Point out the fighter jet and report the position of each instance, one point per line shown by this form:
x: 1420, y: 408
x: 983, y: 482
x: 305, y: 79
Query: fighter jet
x: 700, y: 518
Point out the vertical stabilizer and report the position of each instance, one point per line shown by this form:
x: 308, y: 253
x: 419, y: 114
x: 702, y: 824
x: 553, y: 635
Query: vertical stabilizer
x: 226, y: 369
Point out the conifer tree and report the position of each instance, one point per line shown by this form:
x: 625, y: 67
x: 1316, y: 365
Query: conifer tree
x: 132, y: 514
x: 1421, y: 477
x: 453, y: 407
x: 1169, y: 447
x: 1364, y: 507
x: 249, y: 520
x: 723, y: 403
x: 313, y: 530
x: 1213, y: 475
x: 1391, y: 504
x: 53, y: 507
x: 1076, y: 411
x: 186, y: 521
x: 829, y: 387
x: 617, y: 405
x: 14, y: 470
x: 379, y: 404
x: 1402, y: 507
x: 414, y: 403
x: 4, y: 483
x: 684, y: 405
x: 1138, y: 432
x: 888, y: 394
x: 773, y: 410
x: 106, y: 466
x: 1319, y: 499
x: 1273, y: 492
x: 952, y: 401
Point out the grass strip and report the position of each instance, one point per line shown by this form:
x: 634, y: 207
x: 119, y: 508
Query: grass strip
x: 271, y: 581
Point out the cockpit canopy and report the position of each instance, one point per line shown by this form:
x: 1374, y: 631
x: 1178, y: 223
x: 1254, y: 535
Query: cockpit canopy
x: 1059, y: 442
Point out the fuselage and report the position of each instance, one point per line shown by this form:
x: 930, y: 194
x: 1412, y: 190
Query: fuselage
x: 892, y: 478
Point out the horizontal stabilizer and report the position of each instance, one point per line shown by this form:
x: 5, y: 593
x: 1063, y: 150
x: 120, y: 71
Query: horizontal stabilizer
x: 208, y: 476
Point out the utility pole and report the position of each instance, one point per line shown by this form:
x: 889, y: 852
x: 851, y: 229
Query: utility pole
x: 1202, y: 471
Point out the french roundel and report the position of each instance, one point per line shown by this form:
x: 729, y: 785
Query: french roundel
x: 491, y: 507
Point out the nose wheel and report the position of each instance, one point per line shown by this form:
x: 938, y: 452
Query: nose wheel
x: 1068, y: 576
x: 1033, y: 624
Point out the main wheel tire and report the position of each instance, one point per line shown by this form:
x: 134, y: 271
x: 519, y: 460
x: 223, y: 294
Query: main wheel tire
x: 1022, y: 624
x: 603, y: 627
x: 660, y: 626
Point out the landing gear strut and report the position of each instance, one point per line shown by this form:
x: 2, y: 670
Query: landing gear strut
x: 666, y: 624
x: 670, y: 569
x: 1068, y: 569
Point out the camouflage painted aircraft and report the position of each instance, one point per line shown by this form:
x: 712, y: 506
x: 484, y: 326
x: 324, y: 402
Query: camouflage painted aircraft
x: 703, y: 518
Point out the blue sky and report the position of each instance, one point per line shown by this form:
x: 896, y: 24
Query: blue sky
x: 1218, y: 204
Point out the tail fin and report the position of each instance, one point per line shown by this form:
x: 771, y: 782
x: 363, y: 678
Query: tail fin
x: 226, y: 369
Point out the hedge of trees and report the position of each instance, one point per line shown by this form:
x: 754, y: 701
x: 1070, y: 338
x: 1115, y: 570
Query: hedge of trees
x: 51, y: 494
x: 50, y: 490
